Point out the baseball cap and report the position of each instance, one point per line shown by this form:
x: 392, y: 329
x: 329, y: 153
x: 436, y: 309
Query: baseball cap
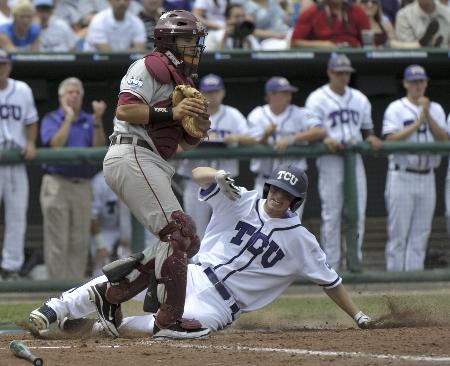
x: 340, y: 63
x: 278, y: 83
x: 211, y: 82
x: 43, y: 3
x: 415, y: 72
x: 4, y: 57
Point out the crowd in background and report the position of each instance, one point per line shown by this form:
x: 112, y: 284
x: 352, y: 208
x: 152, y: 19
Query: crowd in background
x: 127, y: 25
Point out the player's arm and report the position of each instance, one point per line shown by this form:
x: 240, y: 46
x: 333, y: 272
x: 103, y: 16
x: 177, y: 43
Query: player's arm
x: 370, y: 137
x: 31, y: 133
x: 99, y: 108
x: 407, y: 131
x: 342, y: 298
x: 439, y: 133
x: 204, y: 176
x: 103, y: 47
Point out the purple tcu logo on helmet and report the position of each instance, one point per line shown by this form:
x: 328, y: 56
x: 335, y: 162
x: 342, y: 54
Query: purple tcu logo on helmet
x: 287, y: 176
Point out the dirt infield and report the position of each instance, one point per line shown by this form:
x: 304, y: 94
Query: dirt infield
x: 346, y: 347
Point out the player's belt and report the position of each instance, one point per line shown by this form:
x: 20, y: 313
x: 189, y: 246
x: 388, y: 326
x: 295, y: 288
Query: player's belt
x: 130, y: 141
x: 223, y: 292
x: 411, y: 170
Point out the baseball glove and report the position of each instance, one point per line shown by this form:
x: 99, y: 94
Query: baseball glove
x: 189, y: 123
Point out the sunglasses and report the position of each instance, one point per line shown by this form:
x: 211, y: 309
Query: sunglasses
x: 374, y: 2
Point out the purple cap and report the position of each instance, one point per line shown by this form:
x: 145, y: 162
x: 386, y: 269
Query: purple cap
x: 340, y: 63
x: 415, y: 72
x: 279, y: 84
x: 211, y: 82
x: 4, y: 57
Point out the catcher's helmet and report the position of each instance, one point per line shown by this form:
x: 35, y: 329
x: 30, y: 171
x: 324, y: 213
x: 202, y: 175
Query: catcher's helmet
x: 291, y: 179
x: 180, y: 23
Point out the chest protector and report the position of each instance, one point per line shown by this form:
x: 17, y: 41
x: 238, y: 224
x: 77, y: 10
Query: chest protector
x: 166, y: 135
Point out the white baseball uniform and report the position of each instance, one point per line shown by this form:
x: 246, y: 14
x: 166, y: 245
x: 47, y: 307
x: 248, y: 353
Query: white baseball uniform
x: 291, y: 121
x: 226, y: 121
x: 17, y: 111
x: 114, y: 218
x: 447, y: 186
x: 410, y: 191
x: 246, y: 260
x: 343, y: 116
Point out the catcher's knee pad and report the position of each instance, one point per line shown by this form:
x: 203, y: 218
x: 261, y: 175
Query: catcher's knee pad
x: 184, y: 231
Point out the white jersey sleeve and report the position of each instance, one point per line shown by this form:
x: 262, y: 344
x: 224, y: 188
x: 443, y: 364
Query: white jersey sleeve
x: 392, y: 122
x: 31, y: 114
x: 257, y: 123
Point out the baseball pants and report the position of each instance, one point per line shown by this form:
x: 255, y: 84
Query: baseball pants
x: 410, y: 202
x: 203, y: 303
x: 331, y: 192
x: 14, y: 193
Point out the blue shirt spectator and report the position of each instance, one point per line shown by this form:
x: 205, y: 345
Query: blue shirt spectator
x: 81, y: 134
x: 21, y: 43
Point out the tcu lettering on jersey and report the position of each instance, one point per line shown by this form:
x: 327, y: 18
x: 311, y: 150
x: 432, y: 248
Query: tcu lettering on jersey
x: 344, y: 116
x: 258, y: 243
x: 10, y: 111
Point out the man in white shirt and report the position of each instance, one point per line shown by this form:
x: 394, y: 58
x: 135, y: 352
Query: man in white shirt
x: 115, y: 29
x: 56, y: 34
x: 410, y: 187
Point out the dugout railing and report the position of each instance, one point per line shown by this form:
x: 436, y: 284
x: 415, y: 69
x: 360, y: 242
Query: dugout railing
x: 350, y: 213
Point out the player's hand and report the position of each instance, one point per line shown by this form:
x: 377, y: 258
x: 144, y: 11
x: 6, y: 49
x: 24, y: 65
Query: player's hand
x: 375, y: 142
x: 69, y: 113
x: 424, y: 103
x: 332, y: 144
x: 362, y: 320
x: 189, y: 107
x: 232, y: 139
x: 29, y: 152
x: 282, y: 143
x: 99, y: 108
x: 203, y: 123
x: 227, y: 186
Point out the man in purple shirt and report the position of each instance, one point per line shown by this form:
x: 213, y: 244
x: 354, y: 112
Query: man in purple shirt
x: 66, y: 190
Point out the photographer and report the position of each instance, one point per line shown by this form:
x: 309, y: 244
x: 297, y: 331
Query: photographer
x: 239, y: 30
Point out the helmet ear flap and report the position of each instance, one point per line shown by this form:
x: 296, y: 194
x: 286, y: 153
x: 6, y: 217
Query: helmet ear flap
x: 266, y: 190
x: 296, y: 203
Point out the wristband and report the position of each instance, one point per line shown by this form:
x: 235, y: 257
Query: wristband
x: 159, y: 114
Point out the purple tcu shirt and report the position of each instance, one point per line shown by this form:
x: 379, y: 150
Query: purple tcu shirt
x: 81, y: 134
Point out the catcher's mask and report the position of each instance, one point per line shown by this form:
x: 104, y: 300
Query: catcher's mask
x: 182, y: 24
x: 291, y: 179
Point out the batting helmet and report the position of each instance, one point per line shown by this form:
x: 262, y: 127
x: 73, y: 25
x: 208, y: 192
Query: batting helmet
x: 180, y: 23
x: 291, y: 179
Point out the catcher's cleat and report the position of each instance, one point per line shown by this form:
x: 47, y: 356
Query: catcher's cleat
x: 110, y: 315
x: 41, y: 318
x: 178, y: 331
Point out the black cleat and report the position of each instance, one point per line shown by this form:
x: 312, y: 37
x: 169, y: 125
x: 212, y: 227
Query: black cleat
x: 110, y: 315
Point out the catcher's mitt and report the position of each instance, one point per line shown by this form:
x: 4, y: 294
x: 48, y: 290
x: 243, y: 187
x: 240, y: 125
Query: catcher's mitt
x: 189, y: 123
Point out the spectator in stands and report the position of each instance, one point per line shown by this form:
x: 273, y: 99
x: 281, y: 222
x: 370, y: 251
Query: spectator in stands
x: 239, y: 31
x: 18, y: 132
x: 383, y: 31
x: 228, y: 126
x: 425, y: 21
x: 56, y: 34
x: 68, y: 11
x: 66, y: 189
x: 152, y: 10
x: 390, y: 9
x: 115, y: 29
x: 110, y: 225
x: 330, y: 24
x: 410, y: 186
x: 88, y: 8
x: 5, y: 12
x: 212, y: 14
x: 22, y: 34
x: 177, y: 5
x: 271, y: 23
x: 281, y: 124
